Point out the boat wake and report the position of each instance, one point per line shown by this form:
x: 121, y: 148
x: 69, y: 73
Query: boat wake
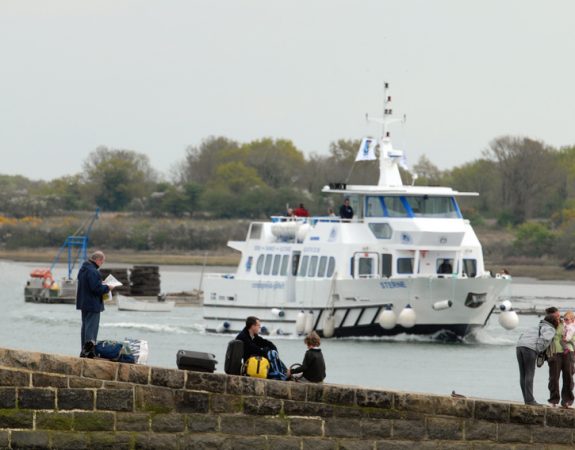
x: 485, y: 337
x: 154, y: 327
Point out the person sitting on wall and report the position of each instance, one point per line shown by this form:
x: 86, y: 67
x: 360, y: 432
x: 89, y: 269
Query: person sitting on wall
x: 254, y: 344
x: 313, y: 366
x: 345, y: 210
x: 445, y: 267
x: 300, y: 211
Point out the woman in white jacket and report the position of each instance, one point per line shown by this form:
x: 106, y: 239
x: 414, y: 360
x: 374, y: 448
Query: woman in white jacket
x: 530, y: 343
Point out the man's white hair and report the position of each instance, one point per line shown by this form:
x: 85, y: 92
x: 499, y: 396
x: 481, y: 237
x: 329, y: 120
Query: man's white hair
x: 97, y: 256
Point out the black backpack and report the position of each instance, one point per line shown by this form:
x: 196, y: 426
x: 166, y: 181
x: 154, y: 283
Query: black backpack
x: 234, y: 355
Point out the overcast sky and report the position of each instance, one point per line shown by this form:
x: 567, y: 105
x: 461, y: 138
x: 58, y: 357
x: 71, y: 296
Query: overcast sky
x: 157, y: 76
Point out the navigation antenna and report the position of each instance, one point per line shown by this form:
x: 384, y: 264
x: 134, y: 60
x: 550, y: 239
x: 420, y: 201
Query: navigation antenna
x: 387, y: 117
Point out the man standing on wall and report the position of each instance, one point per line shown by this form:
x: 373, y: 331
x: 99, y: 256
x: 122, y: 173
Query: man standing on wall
x: 89, y: 300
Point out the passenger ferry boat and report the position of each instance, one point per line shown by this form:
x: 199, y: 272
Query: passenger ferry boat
x: 407, y: 262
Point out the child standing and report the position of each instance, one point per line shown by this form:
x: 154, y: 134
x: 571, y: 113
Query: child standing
x: 568, y: 331
x: 313, y: 366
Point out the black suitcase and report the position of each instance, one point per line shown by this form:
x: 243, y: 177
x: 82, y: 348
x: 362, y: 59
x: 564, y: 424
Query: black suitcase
x: 234, y: 355
x: 196, y: 361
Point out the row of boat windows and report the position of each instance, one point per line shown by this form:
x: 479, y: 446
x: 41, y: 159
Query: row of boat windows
x: 411, y: 206
x: 367, y: 266
x: 311, y: 266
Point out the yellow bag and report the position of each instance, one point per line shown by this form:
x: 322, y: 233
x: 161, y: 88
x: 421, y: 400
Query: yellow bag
x: 257, y: 366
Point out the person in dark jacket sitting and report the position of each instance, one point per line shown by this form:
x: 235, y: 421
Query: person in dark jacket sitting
x: 254, y: 344
x: 313, y: 366
x: 89, y: 300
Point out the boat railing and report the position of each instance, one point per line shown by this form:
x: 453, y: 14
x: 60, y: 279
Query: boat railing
x: 313, y: 219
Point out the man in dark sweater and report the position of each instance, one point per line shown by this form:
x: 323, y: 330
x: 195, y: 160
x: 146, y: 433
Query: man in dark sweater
x: 313, y: 366
x: 254, y: 344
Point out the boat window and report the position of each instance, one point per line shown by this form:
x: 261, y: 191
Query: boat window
x: 394, y: 207
x: 380, y: 230
x: 444, y: 266
x: 276, y: 266
x: 312, y: 266
x: 426, y: 206
x: 386, y: 265
x: 330, y: 267
x: 268, y: 264
x: 374, y: 207
x: 260, y: 264
x: 255, y: 231
x: 322, y: 266
x: 295, y: 263
x: 303, y: 266
x: 285, y: 261
x: 404, y: 265
x: 249, y: 263
x: 470, y: 267
x: 365, y: 267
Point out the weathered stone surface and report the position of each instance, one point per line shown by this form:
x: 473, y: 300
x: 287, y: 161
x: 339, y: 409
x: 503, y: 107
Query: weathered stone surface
x: 117, y: 385
x: 99, y: 369
x: 284, y: 443
x: 19, y: 359
x: 408, y: 429
x: 14, y: 378
x: 319, y: 444
x: 298, y: 391
x: 439, y: 428
x: 202, y: 423
x: 339, y: 395
x: 306, y: 427
x: 30, y: 439
x: 292, y: 408
x: 168, y: 423
x: 314, y: 392
x: 550, y: 435
x: 210, y: 382
x: 82, y: 383
x: 490, y: 446
x: 374, y: 399
x: 76, y: 399
x: 112, y: 441
x: 204, y: 442
x: 355, y: 444
x: 238, y: 425
x: 154, y: 399
x: 167, y: 377
x: 262, y: 406
x: 406, y: 445
x: 47, y: 380
x: 559, y: 417
x: 70, y: 440
x: 497, y: 412
x: 133, y: 422
x: 115, y: 399
x: 246, y: 443
x: 478, y: 430
x: 278, y: 389
x: 452, y: 406
x: 192, y: 401
x: 348, y: 411
x: 271, y: 426
x: 414, y: 402
x: 93, y: 421
x: 513, y: 433
x: 54, y: 421
x: 36, y: 398
x: 14, y: 418
x: 375, y: 428
x: 157, y: 441
x: 527, y: 415
x: 7, y: 398
x: 226, y: 403
x: 245, y: 386
x: 65, y: 365
x: 342, y: 427
x: 4, y: 439
x: 133, y: 373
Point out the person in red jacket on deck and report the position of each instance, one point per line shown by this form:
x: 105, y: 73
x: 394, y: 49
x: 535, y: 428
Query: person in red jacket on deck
x: 301, y: 211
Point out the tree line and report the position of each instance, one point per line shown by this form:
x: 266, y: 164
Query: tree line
x: 524, y: 184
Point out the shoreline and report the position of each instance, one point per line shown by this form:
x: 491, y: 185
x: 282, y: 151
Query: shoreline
x: 534, y: 268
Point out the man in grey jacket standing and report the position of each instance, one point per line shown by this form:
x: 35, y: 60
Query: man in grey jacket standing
x: 530, y: 343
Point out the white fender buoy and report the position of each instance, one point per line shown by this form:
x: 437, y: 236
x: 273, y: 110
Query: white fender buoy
x: 329, y: 326
x: 406, y: 317
x: 505, y: 306
x: 302, y: 232
x: 278, y: 312
x: 442, y: 304
x: 387, y: 319
x: 223, y: 327
x: 309, y: 319
x: 300, y: 322
x: 508, y: 319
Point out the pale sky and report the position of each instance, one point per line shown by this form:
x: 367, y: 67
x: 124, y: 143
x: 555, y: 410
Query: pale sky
x: 157, y: 76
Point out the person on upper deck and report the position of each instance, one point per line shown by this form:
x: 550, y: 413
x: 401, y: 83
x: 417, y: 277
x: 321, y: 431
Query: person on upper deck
x: 345, y: 210
x: 300, y: 211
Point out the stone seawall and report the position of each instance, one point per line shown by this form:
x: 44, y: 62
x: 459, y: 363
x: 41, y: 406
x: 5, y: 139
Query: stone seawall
x: 61, y: 402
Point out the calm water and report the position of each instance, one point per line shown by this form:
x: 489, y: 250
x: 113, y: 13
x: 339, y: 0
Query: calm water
x: 483, y: 366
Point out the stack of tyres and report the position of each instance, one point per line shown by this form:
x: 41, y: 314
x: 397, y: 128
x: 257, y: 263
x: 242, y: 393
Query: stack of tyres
x: 119, y: 274
x: 196, y: 361
x: 145, y: 281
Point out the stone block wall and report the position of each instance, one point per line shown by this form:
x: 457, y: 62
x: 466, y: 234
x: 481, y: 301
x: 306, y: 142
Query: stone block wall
x: 61, y: 402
